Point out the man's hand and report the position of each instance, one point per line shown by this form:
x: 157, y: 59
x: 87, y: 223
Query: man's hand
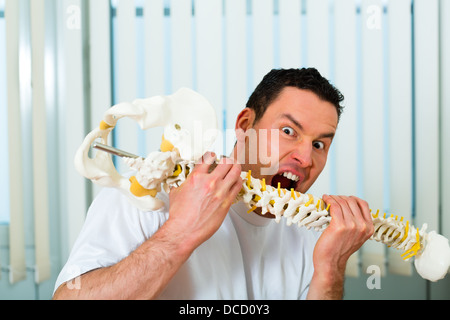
x: 197, y: 209
x: 351, y: 225
x: 199, y: 206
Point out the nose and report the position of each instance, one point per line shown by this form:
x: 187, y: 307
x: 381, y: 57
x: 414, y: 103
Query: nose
x: 303, y: 154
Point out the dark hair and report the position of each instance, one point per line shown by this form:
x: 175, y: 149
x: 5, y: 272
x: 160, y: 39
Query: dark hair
x: 307, y: 78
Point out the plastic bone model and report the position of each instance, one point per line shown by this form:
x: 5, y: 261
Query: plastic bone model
x: 185, y: 116
x: 431, y: 250
x: 179, y: 152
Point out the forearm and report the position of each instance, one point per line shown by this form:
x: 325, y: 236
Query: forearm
x: 327, y: 285
x: 141, y: 275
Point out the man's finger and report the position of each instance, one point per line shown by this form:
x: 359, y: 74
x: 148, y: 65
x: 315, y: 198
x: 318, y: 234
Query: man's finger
x: 223, y: 167
x: 335, y: 208
x: 207, y: 160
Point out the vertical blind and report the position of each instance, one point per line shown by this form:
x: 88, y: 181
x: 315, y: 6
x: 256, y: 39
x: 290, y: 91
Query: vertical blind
x: 67, y: 61
x: 16, y: 203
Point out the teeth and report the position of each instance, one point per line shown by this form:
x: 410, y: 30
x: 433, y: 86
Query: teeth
x: 291, y: 176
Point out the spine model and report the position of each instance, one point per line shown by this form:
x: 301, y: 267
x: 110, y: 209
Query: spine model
x: 431, y: 251
x: 307, y: 211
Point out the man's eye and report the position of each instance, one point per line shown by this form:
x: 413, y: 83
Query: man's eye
x: 288, y: 130
x: 318, y: 145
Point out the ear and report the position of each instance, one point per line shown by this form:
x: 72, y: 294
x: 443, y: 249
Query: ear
x: 244, y: 122
x: 245, y: 119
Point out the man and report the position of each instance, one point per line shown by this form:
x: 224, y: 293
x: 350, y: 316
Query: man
x: 201, y: 246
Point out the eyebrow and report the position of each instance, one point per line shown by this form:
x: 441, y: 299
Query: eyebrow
x: 299, y: 125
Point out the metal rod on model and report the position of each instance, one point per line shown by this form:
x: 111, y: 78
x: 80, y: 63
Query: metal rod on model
x: 112, y: 150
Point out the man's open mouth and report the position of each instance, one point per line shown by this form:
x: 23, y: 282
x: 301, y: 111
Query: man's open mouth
x: 287, y: 180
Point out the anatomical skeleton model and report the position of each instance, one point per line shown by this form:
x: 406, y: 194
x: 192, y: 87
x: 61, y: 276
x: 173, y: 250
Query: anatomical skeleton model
x: 181, y: 148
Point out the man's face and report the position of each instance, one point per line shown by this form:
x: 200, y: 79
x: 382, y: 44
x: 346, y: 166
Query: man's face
x: 298, y: 127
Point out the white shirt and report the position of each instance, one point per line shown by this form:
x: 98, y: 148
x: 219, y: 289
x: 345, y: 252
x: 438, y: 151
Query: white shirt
x: 249, y: 257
